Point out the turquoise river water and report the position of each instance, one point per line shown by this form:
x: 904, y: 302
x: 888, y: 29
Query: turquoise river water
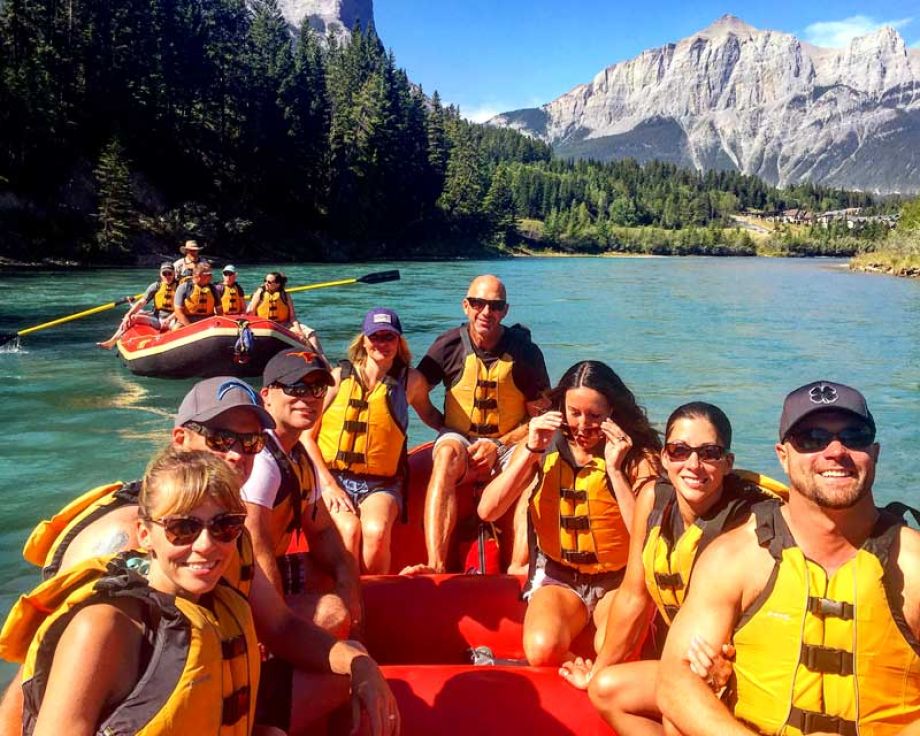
x: 740, y: 332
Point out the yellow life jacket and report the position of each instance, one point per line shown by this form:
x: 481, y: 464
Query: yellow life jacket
x: 483, y: 400
x: 827, y: 653
x: 298, y: 484
x: 164, y: 298
x: 365, y: 433
x: 203, y: 672
x: 232, y: 299
x: 670, y: 550
x: 273, y: 306
x: 48, y: 542
x: 200, y: 301
x: 575, y: 516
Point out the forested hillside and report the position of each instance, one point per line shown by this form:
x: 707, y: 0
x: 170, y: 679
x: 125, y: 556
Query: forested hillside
x: 128, y: 126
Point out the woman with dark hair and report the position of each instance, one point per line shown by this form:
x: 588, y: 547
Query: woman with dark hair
x: 585, y: 460
x: 271, y: 301
x: 673, y: 522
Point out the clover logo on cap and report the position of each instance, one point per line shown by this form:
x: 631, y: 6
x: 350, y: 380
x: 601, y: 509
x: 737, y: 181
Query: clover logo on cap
x: 823, y: 394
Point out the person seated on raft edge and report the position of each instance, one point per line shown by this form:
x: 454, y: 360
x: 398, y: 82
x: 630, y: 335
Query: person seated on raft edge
x: 224, y: 416
x: 495, y: 379
x: 196, y: 299
x: 161, y: 292
x: 364, y: 446
x: 271, y: 301
x: 111, y: 629
x: 191, y: 256
x: 595, y: 444
x: 820, y: 596
x: 674, y: 521
x: 231, y: 294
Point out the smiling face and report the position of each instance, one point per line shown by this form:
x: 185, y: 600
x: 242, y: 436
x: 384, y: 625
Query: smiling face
x: 699, y: 482
x: 293, y: 413
x: 836, y: 477
x: 485, y: 323
x: 382, y: 346
x: 238, y: 419
x: 187, y: 570
x: 585, y: 409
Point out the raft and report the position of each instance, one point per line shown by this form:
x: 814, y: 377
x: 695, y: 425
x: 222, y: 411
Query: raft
x: 421, y: 631
x: 206, y: 348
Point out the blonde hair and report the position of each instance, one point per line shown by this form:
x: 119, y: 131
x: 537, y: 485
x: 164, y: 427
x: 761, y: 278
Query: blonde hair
x: 357, y: 354
x: 182, y: 480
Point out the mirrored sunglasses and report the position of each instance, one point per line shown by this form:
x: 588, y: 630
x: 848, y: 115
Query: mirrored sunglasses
x: 305, y: 390
x: 182, y: 530
x: 815, y: 439
x: 477, y: 304
x: 224, y: 440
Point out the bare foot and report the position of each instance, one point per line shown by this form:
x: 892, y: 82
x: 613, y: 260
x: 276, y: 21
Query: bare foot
x: 106, y: 344
x: 420, y: 569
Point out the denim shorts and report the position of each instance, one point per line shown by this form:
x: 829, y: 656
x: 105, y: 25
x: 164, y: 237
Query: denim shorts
x: 359, y: 488
x: 590, y: 588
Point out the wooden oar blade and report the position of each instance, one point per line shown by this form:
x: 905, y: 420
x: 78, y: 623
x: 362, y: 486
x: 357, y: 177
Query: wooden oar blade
x: 380, y: 276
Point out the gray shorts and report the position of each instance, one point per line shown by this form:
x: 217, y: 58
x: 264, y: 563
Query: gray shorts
x: 590, y: 588
x: 504, y: 451
x: 359, y: 488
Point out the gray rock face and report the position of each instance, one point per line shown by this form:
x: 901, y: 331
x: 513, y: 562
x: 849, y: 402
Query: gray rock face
x: 762, y: 102
x: 329, y: 16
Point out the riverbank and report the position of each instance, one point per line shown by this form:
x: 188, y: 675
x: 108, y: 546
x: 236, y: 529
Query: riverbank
x: 897, y: 255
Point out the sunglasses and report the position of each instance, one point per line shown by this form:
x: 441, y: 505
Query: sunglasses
x: 477, y: 304
x: 182, y: 530
x: 816, y: 439
x: 305, y: 390
x: 590, y: 431
x: 224, y: 440
x: 270, y: 283
x: 384, y: 336
x: 679, y: 452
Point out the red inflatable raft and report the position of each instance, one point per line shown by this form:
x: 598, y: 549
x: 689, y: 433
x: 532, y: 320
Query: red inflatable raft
x: 421, y: 630
x: 218, y: 346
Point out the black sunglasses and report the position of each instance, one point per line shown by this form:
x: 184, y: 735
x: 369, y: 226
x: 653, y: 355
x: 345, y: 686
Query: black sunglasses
x: 224, y: 440
x: 815, y: 439
x: 496, y: 305
x: 182, y: 530
x: 304, y: 390
x: 680, y: 452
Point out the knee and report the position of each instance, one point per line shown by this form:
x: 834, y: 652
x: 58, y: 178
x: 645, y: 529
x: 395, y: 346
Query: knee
x: 376, y: 533
x: 449, y: 460
x: 349, y: 526
x: 332, y: 615
x: 544, y: 648
x: 603, y: 688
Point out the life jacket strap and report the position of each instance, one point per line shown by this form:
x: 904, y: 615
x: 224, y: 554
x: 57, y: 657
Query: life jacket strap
x: 235, y: 706
x: 575, y: 523
x: 486, y: 384
x: 825, y: 607
x: 570, y: 494
x: 579, y: 558
x: 352, y: 425
x: 826, y: 660
x: 357, y: 403
x: 669, y: 580
x: 234, y: 647
x: 349, y: 458
x: 490, y: 403
x: 484, y: 429
x: 808, y: 721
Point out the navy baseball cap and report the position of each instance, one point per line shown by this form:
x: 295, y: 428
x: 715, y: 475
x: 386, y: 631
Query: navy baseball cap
x: 292, y: 366
x: 381, y: 319
x: 822, y: 396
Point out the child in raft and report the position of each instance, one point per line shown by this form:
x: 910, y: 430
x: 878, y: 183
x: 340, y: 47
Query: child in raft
x: 120, y: 650
x: 585, y: 461
x: 673, y: 522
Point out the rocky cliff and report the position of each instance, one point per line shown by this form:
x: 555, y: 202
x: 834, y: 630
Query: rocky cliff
x: 329, y: 16
x: 762, y: 102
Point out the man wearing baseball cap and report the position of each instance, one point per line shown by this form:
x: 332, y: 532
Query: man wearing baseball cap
x: 283, y: 495
x: 224, y: 416
x: 820, y: 597
x: 161, y: 292
x: 231, y: 294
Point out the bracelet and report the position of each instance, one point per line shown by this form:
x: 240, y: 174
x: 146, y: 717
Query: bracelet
x: 531, y: 449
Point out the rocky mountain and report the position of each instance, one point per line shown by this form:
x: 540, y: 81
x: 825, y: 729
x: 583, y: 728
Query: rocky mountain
x: 329, y: 16
x: 762, y: 102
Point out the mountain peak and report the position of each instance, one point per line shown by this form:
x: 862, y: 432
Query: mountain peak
x: 728, y: 24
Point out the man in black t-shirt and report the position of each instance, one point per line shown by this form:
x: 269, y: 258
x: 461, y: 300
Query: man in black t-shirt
x: 495, y: 379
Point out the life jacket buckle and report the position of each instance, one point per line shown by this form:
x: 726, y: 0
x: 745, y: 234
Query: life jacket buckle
x: 484, y: 429
x: 808, y: 721
x: 826, y: 660
x: 571, y: 494
x: 825, y: 607
x: 579, y: 558
x: 352, y: 425
x: 575, y: 523
x: 669, y: 580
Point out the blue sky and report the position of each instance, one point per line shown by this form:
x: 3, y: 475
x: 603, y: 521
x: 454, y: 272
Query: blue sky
x: 489, y: 56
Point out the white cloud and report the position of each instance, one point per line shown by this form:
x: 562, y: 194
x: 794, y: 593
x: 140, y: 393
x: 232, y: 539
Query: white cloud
x: 839, y: 33
x: 483, y: 111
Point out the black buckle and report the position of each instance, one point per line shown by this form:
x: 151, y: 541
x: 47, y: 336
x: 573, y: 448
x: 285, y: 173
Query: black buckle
x: 575, y: 523
x: 570, y: 494
x: 825, y: 607
x: 490, y: 403
x: 349, y: 458
x: 579, y: 558
x: 354, y: 426
x: 808, y: 721
x: 230, y: 648
x: 357, y: 403
x: 236, y: 705
x: 487, y: 384
x: 669, y: 580
x: 484, y: 429
x: 826, y: 660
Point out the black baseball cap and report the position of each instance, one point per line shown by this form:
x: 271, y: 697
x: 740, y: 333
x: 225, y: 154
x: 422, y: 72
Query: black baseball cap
x: 822, y: 396
x: 213, y: 396
x: 292, y: 366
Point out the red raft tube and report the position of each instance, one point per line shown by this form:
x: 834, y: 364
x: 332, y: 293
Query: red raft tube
x: 240, y: 345
x: 422, y: 631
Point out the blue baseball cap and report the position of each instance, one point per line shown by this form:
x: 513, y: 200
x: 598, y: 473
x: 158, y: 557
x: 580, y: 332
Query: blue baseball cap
x: 381, y: 319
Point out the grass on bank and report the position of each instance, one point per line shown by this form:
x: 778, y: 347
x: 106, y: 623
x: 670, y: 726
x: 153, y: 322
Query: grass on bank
x: 898, y: 254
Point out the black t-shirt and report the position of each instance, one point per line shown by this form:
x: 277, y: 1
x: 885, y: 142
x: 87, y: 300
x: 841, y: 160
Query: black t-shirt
x: 443, y: 363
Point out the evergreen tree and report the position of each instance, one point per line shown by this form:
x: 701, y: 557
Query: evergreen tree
x: 115, y: 215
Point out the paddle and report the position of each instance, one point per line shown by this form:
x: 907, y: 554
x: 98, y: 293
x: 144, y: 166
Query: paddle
x: 371, y: 278
x: 5, y: 337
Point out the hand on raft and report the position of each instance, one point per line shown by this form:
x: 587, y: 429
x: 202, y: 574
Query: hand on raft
x: 371, y: 693
x: 577, y: 672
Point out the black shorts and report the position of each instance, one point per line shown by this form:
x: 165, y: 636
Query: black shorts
x: 293, y: 569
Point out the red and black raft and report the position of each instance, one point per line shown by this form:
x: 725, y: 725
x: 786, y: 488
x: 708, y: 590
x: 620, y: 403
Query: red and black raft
x: 240, y: 345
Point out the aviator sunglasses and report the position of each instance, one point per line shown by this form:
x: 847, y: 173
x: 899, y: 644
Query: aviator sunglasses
x: 679, y: 452
x: 304, y: 390
x: 224, y: 440
x: 477, y: 304
x: 815, y: 439
x: 182, y: 530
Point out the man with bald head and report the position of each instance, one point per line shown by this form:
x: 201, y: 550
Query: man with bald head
x: 494, y: 379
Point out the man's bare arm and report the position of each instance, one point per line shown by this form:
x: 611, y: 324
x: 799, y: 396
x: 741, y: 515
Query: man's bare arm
x: 258, y: 522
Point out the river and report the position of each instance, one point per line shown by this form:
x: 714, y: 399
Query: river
x: 739, y: 332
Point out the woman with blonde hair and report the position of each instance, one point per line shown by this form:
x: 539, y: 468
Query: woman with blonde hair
x: 362, y: 437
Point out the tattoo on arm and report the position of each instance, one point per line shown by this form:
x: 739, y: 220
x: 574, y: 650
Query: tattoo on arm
x: 114, y: 543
